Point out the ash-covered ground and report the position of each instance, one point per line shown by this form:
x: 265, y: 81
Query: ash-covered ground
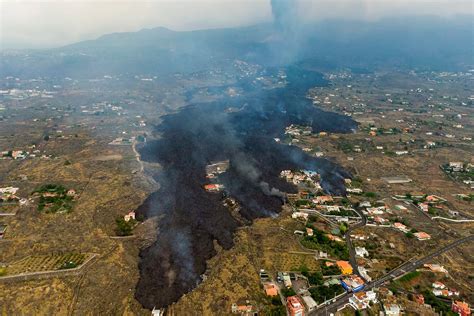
x: 192, y: 218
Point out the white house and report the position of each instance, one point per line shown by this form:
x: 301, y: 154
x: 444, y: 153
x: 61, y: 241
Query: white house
x: 361, y: 252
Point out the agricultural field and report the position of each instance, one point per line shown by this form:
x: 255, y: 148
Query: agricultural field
x: 40, y: 263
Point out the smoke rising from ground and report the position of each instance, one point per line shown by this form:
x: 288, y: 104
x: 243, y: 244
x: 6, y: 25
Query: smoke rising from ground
x: 192, y: 219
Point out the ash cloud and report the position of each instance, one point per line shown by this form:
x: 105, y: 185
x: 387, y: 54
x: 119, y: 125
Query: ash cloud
x: 284, y: 14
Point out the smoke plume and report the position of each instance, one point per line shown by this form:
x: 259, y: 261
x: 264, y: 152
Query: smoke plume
x: 284, y: 14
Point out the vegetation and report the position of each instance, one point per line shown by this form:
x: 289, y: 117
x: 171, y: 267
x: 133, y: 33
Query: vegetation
x: 343, y: 228
x: 53, y: 198
x: 69, y: 265
x: 321, y: 241
x: 315, y: 278
x: 410, y: 276
x: 439, y: 305
x: 370, y: 194
x: 321, y: 293
x: 299, y: 203
x: 124, y: 228
x: 276, y: 308
x: 331, y: 270
x: 342, y: 212
x: 286, y: 292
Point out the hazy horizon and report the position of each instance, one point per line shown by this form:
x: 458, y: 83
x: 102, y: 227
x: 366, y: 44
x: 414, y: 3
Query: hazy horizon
x: 47, y: 24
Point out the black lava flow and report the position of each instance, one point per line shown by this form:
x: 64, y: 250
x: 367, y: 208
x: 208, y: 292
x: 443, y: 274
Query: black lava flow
x: 190, y: 218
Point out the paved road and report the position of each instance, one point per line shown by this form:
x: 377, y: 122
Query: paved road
x: 350, y: 246
x: 399, y: 271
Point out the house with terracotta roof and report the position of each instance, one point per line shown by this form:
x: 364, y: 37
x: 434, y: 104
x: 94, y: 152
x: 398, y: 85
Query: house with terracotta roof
x: 344, y: 266
x: 435, y: 267
x: 422, y: 236
x: 435, y: 199
x: 270, y: 289
x: 462, y: 308
x: 380, y: 220
x: 401, y: 227
x: 242, y: 309
x: 323, y: 199
x: 294, y: 306
x: 334, y: 238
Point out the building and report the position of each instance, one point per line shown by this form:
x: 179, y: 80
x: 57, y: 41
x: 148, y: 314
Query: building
x: 354, y: 190
x: 401, y: 207
x: 270, y: 289
x: 242, y: 309
x: 401, y: 227
x: 130, y: 215
x: 397, y: 180
x: 352, y: 283
x: 334, y: 238
x: 435, y: 199
x: 424, y: 207
x: 438, y: 285
x: 309, y: 231
x: 462, y: 308
x: 392, y: 309
x: 323, y: 199
x: 419, y: 299
x: 380, y: 220
x: 363, y: 273
x: 286, y: 280
x: 310, y: 303
x: 344, y: 266
x: 361, y: 300
x: 456, y: 166
x: 435, y: 268
x: 422, y: 236
x: 301, y: 215
x: 213, y: 187
x: 361, y: 252
x: 294, y: 306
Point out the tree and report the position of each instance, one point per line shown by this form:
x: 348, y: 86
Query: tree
x: 124, y: 228
x: 343, y: 228
x: 288, y: 292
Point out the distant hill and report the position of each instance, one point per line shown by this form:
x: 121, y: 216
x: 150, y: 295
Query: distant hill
x: 426, y: 43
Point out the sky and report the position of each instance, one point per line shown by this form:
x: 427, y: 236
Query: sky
x: 52, y: 23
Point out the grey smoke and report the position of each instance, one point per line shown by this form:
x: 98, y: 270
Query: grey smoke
x: 272, y: 192
x: 183, y: 250
x: 284, y: 14
x: 247, y: 169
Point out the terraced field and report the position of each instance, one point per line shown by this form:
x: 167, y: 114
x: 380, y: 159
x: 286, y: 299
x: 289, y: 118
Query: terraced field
x: 39, y: 263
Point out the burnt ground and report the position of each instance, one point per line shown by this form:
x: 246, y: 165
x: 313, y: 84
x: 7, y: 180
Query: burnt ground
x: 191, y: 219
